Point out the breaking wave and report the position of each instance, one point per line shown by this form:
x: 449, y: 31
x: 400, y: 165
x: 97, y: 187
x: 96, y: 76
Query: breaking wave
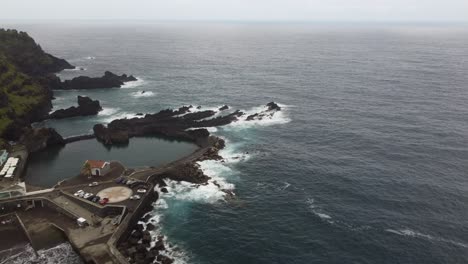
x: 107, y: 111
x: 410, y: 233
x: 133, y: 84
x: 77, y: 68
x: 316, y: 210
x: 108, y: 114
x: 221, y: 172
x: 273, y: 118
x: 143, y: 94
x: 62, y: 253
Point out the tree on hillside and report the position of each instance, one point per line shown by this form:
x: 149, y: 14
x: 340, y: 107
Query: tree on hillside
x: 86, y: 170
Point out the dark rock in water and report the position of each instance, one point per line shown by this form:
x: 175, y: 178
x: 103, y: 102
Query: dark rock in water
x: 271, y: 109
x: 141, y: 249
x: 224, y: 107
x: 142, y: 92
x: 164, y: 190
x: 146, y: 237
x: 109, y: 80
x: 36, y: 139
x: 159, y: 245
x: 189, y: 172
x: 150, y: 257
x: 86, y: 107
x: 139, y: 227
x: 252, y: 117
x: 137, y: 234
x: 164, y: 259
x: 133, y: 241
x: 273, y: 106
x: 132, y: 251
x: 139, y: 114
x: 199, y: 107
x: 150, y: 227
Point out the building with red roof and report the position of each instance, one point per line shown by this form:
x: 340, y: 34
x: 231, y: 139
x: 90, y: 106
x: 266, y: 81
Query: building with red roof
x: 98, y: 167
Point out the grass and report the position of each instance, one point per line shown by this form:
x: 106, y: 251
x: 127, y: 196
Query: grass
x: 23, y: 94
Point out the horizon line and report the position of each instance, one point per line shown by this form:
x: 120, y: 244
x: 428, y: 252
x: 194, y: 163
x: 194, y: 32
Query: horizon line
x: 235, y: 21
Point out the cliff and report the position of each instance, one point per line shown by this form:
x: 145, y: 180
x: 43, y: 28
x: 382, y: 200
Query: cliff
x: 27, y: 56
x: 22, y: 100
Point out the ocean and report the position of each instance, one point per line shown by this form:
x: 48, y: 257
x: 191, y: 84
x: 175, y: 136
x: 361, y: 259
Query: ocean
x: 367, y: 162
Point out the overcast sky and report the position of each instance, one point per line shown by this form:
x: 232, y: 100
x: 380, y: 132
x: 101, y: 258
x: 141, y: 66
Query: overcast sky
x: 248, y: 10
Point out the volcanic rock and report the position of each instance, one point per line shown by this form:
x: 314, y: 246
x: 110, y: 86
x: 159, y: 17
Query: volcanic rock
x: 36, y: 139
x: 86, y: 107
x: 108, y: 80
x: 224, y: 107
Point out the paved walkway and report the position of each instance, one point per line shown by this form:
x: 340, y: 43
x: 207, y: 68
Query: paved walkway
x: 75, y: 208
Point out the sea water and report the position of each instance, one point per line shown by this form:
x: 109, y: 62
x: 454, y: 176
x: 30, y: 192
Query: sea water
x: 367, y: 162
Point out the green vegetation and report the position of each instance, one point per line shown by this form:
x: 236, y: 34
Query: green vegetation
x: 23, y: 52
x: 25, y: 78
x: 19, y: 94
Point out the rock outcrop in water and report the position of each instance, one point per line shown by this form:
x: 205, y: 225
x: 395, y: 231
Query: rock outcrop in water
x: 108, y: 80
x: 179, y: 124
x: 86, y: 107
x: 272, y: 107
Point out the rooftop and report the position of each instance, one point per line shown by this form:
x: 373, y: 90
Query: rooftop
x: 96, y: 163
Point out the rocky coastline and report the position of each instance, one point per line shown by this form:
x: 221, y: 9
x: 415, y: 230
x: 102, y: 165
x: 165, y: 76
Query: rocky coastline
x: 108, y: 80
x: 186, y: 123
x: 86, y: 107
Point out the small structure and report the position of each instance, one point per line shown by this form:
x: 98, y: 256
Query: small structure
x: 81, y: 222
x: 97, y: 167
x: 3, y: 156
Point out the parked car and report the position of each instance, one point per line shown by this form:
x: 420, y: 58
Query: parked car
x: 119, y: 180
x: 141, y: 191
x: 87, y: 195
x: 96, y: 199
x: 93, y: 184
x: 91, y: 197
x: 124, y: 181
x: 81, y: 194
x: 130, y: 182
x: 78, y: 193
x: 104, y: 201
x: 135, y: 197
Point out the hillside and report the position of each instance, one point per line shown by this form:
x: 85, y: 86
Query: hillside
x: 26, y: 79
x: 22, y: 51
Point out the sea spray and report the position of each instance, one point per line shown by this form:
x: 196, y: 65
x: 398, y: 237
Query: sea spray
x: 59, y: 254
x: 221, y: 172
x: 143, y: 94
x: 133, y: 84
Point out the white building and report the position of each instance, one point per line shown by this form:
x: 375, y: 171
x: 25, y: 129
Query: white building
x: 98, y: 167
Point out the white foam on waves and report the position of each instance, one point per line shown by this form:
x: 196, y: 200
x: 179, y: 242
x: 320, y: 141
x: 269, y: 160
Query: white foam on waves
x: 133, y: 84
x: 107, y: 111
x: 62, y: 253
x: 316, y: 210
x: 77, y: 68
x: 171, y: 250
x: 270, y: 117
x: 411, y: 233
x: 143, y: 94
x: 110, y: 113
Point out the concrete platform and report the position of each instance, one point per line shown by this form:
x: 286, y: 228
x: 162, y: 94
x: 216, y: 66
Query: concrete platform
x: 116, y: 194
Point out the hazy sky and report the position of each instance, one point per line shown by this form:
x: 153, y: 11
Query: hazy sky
x: 257, y: 10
